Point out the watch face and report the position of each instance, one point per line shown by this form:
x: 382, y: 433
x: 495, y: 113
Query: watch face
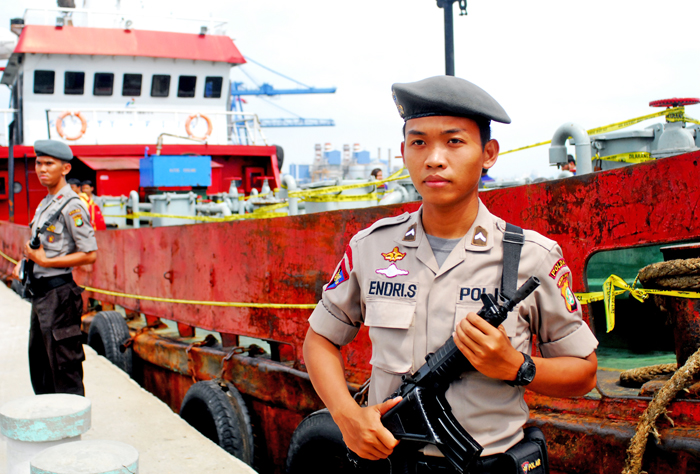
x: 529, y: 370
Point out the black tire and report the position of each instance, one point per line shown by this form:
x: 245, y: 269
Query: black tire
x: 317, y: 446
x: 217, y: 410
x: 108, y: 331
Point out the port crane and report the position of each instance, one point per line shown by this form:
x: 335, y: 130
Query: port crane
x: 239, y: 89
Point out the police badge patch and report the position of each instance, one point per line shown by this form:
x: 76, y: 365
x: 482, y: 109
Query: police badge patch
x: 567, y: 294
x: 78, y: 220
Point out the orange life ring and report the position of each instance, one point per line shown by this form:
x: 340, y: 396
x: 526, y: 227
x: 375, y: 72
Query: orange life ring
x: 188, y: 127
x: 59, y: 125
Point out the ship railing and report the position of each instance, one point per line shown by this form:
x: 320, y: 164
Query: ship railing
x: 89, y: 18
x: 141, y: 125
x: 7, y: 117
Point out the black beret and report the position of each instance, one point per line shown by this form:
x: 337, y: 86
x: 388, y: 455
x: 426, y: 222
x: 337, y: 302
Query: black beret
x: 87, y: 181
x: 54, y: 149
x: 446, y: 95
x: 73, y: 181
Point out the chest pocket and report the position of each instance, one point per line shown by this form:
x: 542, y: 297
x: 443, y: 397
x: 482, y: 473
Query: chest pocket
x: 52, y: 240
x: 391, y: 330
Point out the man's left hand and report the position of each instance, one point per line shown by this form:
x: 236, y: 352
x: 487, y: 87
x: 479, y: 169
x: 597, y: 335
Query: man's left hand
x: 37, y: 256
x: 487, y: 348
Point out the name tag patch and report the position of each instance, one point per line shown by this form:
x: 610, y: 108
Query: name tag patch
x: 391, y: 289
x: 474, y: 293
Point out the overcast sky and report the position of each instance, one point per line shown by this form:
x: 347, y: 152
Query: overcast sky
x: 547, y: 62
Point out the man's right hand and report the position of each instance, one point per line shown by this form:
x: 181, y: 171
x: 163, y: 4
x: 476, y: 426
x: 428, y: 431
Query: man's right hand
x: 363, y: 431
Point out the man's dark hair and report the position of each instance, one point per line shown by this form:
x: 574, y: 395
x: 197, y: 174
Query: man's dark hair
x: 484, y: 129
x: 375, y: 172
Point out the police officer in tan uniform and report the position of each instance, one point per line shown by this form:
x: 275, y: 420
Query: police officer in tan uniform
x: 55, y: 348
x: 416, y: 279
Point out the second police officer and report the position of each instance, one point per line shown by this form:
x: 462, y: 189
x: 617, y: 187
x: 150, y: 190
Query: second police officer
x: 55, y: 347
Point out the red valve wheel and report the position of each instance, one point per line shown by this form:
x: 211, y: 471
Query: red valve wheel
x: 675, y: 102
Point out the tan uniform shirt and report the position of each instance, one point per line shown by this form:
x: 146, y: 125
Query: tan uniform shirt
x: 71, y: 233
x: 389, y: 280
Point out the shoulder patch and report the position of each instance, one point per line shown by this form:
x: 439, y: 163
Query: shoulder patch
x: 557, y: 266
x: 566, y: 293
x: 78, y: 220
x: 74, y: 211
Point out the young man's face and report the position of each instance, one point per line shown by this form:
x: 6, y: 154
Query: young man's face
x: 444, y: 157
x: 49, y: 170
x: 75, y: 188
x: 87, y: 189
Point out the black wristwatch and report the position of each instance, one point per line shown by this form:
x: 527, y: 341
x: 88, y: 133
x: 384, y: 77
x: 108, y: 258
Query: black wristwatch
x: 526, y: 373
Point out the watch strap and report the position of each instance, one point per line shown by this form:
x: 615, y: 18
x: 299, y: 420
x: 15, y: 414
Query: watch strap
x: 526, y: 372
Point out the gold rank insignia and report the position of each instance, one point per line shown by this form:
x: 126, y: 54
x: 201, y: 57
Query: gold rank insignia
x: 394, y: 255
x: 78, y: 220
x: 51, y: 228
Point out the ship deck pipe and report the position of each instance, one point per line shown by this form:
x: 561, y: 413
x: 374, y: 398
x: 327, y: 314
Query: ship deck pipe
x: 134, y: 203
x: 557, y: 151
x: 289, y: 181
x: 214, y: 208
x: 398, y: 195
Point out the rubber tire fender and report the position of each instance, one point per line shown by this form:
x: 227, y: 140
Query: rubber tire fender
x: 108, y: 331
x: 216, y: 409
x: 317, y: 446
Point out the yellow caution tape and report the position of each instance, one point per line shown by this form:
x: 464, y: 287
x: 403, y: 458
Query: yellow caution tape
x: 337, y: 189
x: 344, y: 197
x: 677, y: 112
x: 610, y: 292
x: 628, y: 123
x: 197, y: 302
x: 7, y: 257
x: 634, y: 157
x: 120, y: 204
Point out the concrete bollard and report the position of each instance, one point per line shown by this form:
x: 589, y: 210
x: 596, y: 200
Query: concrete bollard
x: 32, y: 424
x: 87, y: 457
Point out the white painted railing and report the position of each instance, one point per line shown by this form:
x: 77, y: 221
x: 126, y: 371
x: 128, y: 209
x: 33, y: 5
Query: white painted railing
x: 123, y: 19
x: 135, y: 125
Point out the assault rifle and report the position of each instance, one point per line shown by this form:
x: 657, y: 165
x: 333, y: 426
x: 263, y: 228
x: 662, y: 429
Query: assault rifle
x: 423, y: 416
x: 26, y: 269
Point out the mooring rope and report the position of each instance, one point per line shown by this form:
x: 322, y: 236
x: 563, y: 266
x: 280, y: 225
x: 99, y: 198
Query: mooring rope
x: 647, y: 422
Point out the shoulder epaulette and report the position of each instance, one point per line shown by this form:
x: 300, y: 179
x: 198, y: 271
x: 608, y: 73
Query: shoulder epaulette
x: 387, y: 221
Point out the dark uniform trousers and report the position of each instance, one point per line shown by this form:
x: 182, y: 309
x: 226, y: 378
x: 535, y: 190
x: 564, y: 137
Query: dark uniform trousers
x: 55, y: 346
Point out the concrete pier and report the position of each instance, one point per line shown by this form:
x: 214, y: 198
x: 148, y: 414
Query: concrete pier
x: 121, y: 409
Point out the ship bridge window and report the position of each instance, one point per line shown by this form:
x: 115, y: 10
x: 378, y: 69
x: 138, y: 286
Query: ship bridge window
x: 160, y: 86
x: 104, y: 83
x: 43, y: 82
x: 212, y: 87
x: 132, y: 85
x: 185, y: 86
x: 74, y: 83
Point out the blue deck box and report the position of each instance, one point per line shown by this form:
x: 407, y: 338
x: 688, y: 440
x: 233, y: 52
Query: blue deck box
x: 165, y: 171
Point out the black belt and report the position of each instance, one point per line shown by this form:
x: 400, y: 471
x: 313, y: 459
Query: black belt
x: 41, y: 286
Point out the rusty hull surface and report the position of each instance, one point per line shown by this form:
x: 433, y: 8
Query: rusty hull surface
x: 288, y: 260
